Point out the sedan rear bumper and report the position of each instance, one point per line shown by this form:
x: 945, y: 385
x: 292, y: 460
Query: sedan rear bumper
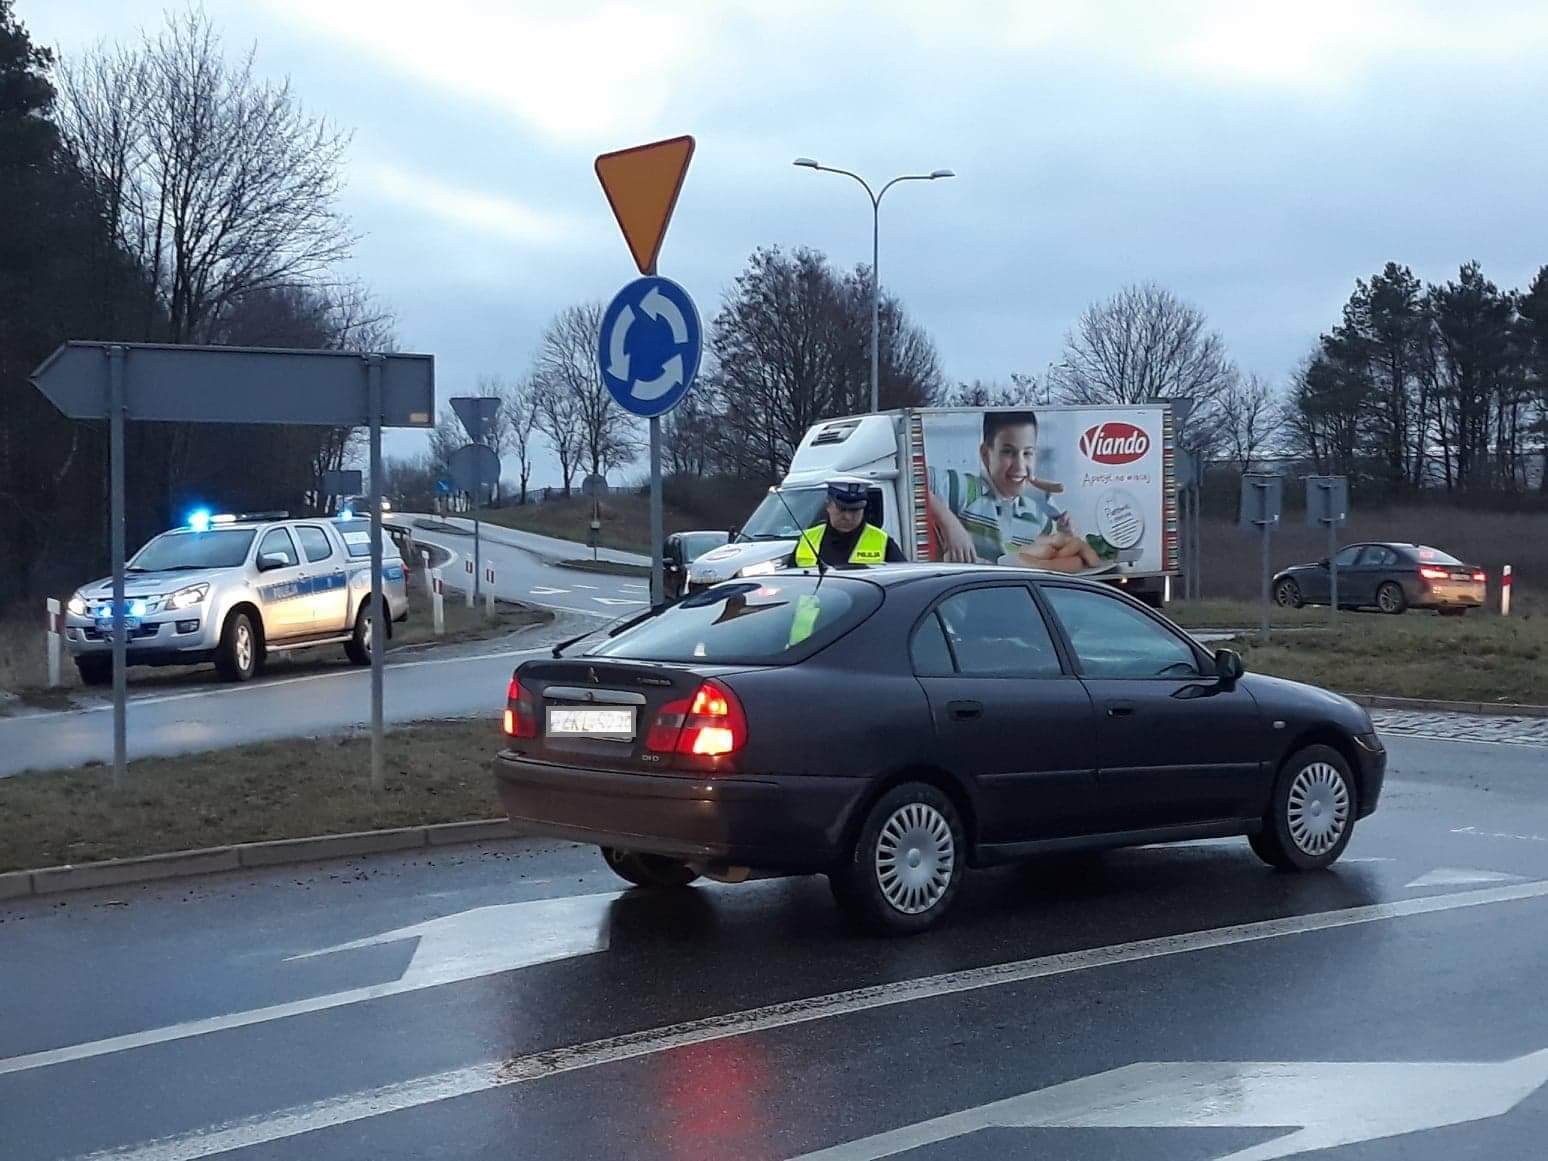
x: 1449, y: 595
x: 772, y: 822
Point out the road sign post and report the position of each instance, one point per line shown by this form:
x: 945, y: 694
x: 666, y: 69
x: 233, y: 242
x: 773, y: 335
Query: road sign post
x: 1327, y: 504
x: 158, y: 382
x: 1262, y: 496
x: 651, y: 337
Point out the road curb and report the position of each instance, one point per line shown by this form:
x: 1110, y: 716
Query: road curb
x: 1492, y: 708
x: 241, y: 856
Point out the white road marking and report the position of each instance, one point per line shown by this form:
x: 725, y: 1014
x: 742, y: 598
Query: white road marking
x: 593, y: 588
x: 1461, y: 877
x: 464, y: 946
x: 618, y: 600
x: 1329, y: 1104
x: 360, y: 1106
x: 1476, y: 833
x: 546, y: 591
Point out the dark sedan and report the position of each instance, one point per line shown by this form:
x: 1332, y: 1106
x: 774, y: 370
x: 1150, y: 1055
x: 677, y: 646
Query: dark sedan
x: 679, y: 551
x: 893, y: 727
x: 1388, y: 576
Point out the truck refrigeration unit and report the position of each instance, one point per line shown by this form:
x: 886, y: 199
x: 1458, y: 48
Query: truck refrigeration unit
x: 1086, y: 490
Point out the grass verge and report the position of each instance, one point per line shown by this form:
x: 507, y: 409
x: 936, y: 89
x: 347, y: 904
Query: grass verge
x: 625, y: 520
x: 1224, y: 614
x: 436, y: 772
x: 1476, y: 658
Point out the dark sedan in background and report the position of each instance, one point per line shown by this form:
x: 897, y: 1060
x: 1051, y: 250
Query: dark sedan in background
x: 1389, y: 576
x: 892, y: 727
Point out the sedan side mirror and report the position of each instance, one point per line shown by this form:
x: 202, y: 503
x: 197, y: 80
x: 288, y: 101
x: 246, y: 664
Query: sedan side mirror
x: 270, y: 561
x: 1228, y: 666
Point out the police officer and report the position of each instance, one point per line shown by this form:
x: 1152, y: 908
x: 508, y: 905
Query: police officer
x: 844, y: 539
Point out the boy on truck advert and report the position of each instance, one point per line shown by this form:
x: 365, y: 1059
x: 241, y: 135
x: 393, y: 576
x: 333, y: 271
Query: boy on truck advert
x: 1068, y: 490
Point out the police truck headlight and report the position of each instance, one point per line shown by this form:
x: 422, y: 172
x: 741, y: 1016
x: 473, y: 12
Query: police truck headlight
x: 187, y: 598
x: 763, y: 568
x: 77, y: 606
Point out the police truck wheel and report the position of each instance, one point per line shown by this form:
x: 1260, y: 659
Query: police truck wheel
x: 906, y: 864
x: 241, y: 649
x: 358, y: 648
x: 1311, y: 817
x: 95, y: 670
x: 648, y: 870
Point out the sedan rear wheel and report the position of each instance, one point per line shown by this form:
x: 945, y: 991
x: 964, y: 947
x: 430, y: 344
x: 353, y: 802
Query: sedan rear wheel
x: 907, y: 861
x: 1390, y: 598
x: 648, y: 870
x: 1287, y: 594
x: 1311, y: 817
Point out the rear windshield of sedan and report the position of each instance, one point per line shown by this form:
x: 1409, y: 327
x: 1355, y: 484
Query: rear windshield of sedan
x: 748, y: 622
x: 220, y: 548
x: 1429, y: 555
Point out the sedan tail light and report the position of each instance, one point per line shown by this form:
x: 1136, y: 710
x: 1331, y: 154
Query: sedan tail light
x: 1434, y: 573
x: 520, y: 717
x: 710, y: 724
x: 1481, y: 577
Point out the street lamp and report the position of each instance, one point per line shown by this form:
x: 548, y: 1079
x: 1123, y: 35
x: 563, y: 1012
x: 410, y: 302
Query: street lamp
x: 876, y: 197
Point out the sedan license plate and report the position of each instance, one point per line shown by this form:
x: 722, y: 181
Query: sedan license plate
x: 615, y: 724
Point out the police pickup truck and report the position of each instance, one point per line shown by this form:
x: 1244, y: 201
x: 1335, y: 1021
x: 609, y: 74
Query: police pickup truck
x: 233, y: 589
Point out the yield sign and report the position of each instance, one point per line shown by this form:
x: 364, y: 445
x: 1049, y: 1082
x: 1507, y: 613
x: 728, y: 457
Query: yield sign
x: 1327, y: 1104
x: 642, y: 184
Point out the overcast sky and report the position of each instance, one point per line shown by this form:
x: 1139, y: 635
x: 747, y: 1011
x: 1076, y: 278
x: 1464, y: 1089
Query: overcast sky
x: 1254, y: 157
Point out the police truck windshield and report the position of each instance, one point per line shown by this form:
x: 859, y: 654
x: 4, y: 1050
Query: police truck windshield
x: 772, y: 519
x: 221, y: 548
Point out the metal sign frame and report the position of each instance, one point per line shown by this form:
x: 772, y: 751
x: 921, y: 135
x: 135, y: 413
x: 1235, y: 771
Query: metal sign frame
x: 1262, y: 501
x: 160, y: 382
x: 1327, y: 505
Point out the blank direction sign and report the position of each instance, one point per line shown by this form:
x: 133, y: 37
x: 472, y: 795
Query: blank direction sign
x: 239, y: 385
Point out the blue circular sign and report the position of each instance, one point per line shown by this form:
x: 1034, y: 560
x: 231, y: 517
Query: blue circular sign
x: 650, y: 346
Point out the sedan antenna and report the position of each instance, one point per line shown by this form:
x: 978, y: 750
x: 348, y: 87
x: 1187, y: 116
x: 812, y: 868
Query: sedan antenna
x: 804, y: 538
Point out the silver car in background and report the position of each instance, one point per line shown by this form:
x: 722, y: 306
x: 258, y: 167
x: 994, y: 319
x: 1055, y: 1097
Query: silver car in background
x: 234, y: 589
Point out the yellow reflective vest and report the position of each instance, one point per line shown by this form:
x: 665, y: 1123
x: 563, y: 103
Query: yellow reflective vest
x: 870, y: 547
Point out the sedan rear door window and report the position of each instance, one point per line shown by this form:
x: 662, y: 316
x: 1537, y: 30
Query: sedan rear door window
x: 998, y: 632
x: 1111, y: 638
x: 931, y: 654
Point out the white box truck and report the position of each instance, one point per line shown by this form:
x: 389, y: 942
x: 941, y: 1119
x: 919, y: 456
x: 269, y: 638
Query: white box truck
x: 1085, y: 490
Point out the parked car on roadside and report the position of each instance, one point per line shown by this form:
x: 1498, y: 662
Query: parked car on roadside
x: 1390, y: 576
x: 679, y: 551
x: 234, y: 589
x: 891, y: 728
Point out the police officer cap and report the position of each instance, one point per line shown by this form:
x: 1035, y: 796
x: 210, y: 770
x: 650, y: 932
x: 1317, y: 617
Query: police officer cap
x: 847, y: 493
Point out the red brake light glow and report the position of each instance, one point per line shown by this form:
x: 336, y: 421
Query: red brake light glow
x: 520, y: 718
x: 710, y: 724
x: 1480, y: 576
x: 1434, y: 573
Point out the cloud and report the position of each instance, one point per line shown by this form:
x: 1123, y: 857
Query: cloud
x: 472, y: 209
x: 571, y: 72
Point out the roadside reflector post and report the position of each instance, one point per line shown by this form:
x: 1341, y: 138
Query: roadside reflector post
x: 55, y: 642
x: 437, y: 603
x: 489, y: 583
x: 1505, y: 585
x: 467, y: 588
x: 424, y: 565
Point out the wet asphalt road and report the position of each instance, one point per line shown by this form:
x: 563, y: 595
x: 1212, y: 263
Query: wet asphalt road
x: 509, y: 1001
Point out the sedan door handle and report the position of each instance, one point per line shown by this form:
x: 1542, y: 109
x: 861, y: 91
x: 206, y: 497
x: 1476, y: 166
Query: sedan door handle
x: 964, y: 711
x: 1120, y: 709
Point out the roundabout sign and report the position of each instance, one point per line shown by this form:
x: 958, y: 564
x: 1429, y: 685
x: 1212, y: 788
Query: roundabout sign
x: 649, y: 346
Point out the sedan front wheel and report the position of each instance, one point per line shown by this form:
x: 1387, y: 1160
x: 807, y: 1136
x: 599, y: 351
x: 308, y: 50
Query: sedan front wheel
x: 1311, y: 818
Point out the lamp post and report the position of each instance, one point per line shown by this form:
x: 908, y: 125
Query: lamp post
x: 876, y: 197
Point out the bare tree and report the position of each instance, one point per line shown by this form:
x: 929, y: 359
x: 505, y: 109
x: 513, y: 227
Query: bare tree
x: 520, y: 413
x: 219, y: 183
x: 1142, y: 344
x: 570, y: 382
x: 559, y: 421
x: 1251, y: 418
